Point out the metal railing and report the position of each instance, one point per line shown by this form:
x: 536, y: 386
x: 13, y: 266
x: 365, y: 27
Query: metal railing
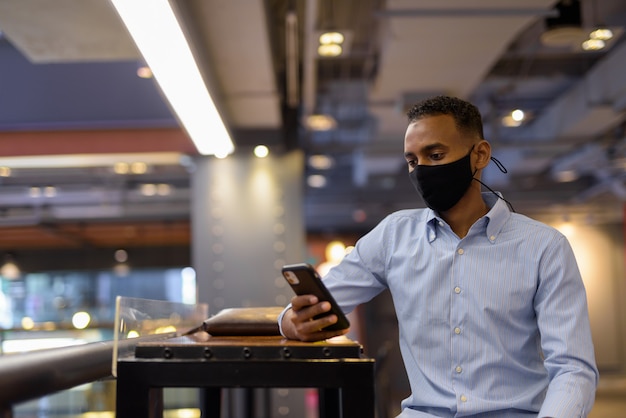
x: 31, y: 375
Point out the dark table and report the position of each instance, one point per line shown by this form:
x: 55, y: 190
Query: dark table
x: 336, y: 367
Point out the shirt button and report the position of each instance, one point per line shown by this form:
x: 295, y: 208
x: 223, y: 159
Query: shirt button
x: 457, y: 330
x: 492, y: 238
x: 463, y: 398
x: 457, y: 290
x: 432, y: 237
x: 458, y: 369
x: 460, y: 251
x: 440, y: 223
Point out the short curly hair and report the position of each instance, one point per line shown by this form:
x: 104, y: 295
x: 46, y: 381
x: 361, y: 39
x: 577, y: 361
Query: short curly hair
x: 466, y: 116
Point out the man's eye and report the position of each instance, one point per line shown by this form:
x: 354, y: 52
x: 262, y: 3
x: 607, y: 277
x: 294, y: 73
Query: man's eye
x: 436, y: 156
x: 411, y: 163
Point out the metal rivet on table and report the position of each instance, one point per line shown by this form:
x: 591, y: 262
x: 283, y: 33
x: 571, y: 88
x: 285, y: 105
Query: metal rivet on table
x: 286, y: 352
x: 247, y: 353
x: 326, y: 351
x: 167, y: 353
x: 207, y: 352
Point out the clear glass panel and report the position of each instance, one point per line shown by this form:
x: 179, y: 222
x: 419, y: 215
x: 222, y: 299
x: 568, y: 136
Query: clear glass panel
x: 145, y: 319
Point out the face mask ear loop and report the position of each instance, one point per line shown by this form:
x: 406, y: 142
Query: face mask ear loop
x: 497, y: 195
x: 505, y: 171
x: 499, y: 165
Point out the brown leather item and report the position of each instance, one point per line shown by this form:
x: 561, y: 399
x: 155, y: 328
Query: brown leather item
x: 242, y: 321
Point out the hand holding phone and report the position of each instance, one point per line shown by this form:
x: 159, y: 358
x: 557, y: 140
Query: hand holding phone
x: 305, y: 280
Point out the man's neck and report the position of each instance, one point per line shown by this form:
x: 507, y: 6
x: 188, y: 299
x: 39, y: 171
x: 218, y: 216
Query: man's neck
x: 465, y: 213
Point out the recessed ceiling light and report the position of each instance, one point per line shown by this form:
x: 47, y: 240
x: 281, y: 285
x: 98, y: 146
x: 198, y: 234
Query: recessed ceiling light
x: 139, y: 167
x: 316, y: 181
x: 148, y: 189
x: 163, y: 189
x: 320, y: 122
x: 328, y: 38
x: 321, y: 162
x: 121, y: 168
x: 603, y: 34
x: 593, y: 44
x: 50, y: 191
x: 517, y: 115
x: 329, y: 50
x: 261, y: 151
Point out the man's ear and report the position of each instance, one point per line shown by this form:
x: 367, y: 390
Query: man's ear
x: 483, y: 151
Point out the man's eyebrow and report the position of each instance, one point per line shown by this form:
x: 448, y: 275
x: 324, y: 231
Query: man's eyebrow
x: 427, y: 148
x: 433, y: 146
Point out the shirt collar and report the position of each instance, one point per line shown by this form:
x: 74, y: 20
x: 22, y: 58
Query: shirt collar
x: 495, y: 219
x: 430, y: 219
x: 497, y: 215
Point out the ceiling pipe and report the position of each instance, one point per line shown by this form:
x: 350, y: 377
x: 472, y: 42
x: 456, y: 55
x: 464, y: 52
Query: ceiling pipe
x: 309, y: 62
x: 292, y: 59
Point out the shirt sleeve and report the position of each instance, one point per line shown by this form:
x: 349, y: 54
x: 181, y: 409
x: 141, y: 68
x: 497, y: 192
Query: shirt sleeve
x: 280, y: 320
x: 563, y: 319
x: 361, y: 275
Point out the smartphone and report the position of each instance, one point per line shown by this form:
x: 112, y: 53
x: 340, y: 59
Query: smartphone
x: 305, y: 280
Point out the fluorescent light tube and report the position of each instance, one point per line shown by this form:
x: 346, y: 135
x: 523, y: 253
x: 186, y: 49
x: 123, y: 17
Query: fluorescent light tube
x: 155, y: 29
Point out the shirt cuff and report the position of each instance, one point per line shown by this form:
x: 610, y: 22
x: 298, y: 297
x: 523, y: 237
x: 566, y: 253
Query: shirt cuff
x: 561, y: 406
x: 280, y: 320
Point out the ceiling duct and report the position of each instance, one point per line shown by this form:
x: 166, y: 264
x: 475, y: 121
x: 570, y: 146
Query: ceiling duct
x: 603, y: 163
x: 564, y: 30
x: 347, y: 103
x: 589, y: 108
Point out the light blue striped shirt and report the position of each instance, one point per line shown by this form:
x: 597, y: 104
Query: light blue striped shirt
x: 491, y: 325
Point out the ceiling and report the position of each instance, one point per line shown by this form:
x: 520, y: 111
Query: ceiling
x: 71, y: 106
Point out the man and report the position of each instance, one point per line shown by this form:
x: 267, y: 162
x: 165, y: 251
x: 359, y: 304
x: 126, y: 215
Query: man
x: 491, y: 308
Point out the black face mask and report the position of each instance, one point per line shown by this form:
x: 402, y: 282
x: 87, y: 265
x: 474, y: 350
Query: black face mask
x: 442, y: 186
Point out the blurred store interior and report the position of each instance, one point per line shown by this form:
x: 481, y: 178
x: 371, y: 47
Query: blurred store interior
x: 104, y: 191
